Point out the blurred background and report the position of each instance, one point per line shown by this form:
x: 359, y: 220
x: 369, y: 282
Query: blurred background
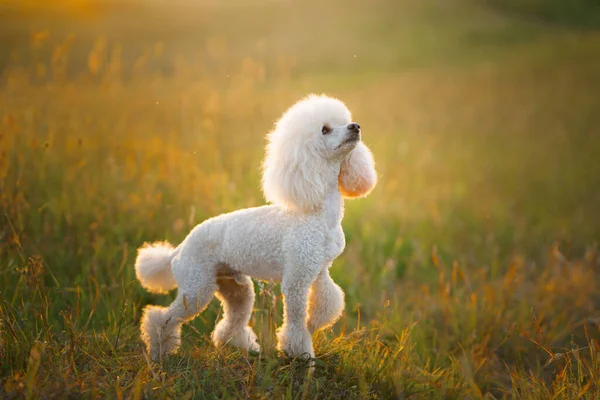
x: 125, y: 122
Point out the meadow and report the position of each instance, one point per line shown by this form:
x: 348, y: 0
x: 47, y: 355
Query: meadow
x: 471, y: 271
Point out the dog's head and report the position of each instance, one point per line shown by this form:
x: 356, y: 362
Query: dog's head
x: 315, y: 146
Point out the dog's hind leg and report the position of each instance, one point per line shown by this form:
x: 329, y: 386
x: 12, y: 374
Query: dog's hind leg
x: 161, y: 326
x: 325, y: 302
x: 237, y: 298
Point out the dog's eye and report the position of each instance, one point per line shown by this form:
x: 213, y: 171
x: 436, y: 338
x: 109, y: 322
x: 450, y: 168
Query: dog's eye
x: 325, y: 130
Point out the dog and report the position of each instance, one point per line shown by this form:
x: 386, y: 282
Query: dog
x: 314, y: 159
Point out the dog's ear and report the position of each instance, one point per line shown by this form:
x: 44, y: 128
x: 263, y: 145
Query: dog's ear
x: 357, y: 174
x: 294, y: 174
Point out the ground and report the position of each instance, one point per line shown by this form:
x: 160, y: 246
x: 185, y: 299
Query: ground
x: 471, y: 271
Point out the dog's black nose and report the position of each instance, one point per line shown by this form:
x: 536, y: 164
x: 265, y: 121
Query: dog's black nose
x: 354, y: 127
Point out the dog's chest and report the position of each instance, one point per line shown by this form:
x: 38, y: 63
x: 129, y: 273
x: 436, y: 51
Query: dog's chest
x: 334, y: 212
x: 335, y: 243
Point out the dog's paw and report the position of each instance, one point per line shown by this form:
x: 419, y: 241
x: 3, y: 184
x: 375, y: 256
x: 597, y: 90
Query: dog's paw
x: 246, y: 339
x: 296, y: 342
x: 254, y: 347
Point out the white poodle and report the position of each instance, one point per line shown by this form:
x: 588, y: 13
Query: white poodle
x: 314, y: 159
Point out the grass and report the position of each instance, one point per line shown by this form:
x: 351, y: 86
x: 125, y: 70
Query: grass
x: 472, y: 271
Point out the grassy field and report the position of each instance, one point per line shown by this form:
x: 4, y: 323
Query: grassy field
x: 472, y: 270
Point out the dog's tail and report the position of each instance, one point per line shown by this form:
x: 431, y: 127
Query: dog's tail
x: 153, y: 266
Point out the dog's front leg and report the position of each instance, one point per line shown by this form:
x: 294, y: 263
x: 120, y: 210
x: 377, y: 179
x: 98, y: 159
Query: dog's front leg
x: 293, y: 336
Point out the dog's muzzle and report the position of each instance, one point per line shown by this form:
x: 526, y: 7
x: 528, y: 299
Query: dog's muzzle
x: 354, y: 132
x: 354, y: 136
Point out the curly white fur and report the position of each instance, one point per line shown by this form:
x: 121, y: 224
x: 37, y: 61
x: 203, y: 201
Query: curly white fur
x: 150, y: 267
x: 314, y: 158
